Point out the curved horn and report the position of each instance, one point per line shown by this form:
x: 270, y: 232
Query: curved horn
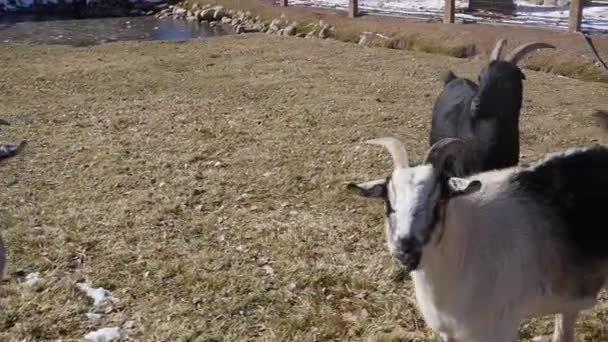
x: 441, y: 150
x: 521, y: 51
x: 395, y: 148
x: 495, y: 56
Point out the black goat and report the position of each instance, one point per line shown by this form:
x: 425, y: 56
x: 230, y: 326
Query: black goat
x: 10, y: 150
x: 485, y: 116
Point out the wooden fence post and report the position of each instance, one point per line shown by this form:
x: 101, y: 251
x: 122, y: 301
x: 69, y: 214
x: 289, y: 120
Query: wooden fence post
x: 283, y: 3
x: 449, y: 11
x: 576, y: 15
x: 353, y: 8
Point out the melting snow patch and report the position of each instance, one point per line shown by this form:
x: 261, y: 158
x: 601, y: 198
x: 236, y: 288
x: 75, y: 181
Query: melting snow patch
x: 103, y: 335
x: 93, y: 316
x: 31, y: 279
x: 99, y: 294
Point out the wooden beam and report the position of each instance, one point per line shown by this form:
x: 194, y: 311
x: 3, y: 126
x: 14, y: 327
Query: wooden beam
x: 576, y: 15
x: 283, y: 3
x: 449, y: 13
x: 353, y: 8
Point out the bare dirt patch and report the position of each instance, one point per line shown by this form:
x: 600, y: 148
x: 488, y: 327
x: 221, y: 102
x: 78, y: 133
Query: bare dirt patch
x: 202, y: 183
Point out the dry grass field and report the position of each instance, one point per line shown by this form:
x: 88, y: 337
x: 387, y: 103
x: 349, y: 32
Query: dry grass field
x: 202, y: 183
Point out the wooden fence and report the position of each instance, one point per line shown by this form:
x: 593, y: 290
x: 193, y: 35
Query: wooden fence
x: 449, y: 13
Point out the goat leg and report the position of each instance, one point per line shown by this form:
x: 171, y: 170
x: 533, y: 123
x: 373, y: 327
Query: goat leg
x: 564, y: 327
x: 563, y: 330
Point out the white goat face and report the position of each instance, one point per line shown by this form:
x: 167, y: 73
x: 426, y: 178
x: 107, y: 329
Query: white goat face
x: 412, y: 196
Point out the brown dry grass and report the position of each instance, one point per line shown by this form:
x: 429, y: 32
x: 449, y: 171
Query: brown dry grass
x: 572, y: 57
x: 141, y: 155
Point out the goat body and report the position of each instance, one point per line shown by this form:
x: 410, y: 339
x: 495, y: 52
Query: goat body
x: 505, y: 245
x: 492, y: 140
x: 531, y: 242
x: 485, y: 116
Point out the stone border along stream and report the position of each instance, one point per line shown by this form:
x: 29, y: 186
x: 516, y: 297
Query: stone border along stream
x: 244, y: 22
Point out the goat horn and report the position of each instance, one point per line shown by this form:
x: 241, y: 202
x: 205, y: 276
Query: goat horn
x: 521, y: 51
x: 441, y: 150
x: 495, y: 56
x: 395, y: 148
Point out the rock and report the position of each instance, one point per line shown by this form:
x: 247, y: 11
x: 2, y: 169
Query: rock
x: 194, y: 8
x: 280, y: 32
x: 180, y: 13
x: 289, y: 31
x: 226, y: 20
x: 231, y: 13
x: 325, y: 32
x: 214, y: 23
x: 219, y: 12
x: 162, y: 7
x: 311, y: 34
x: 300, y: 34
x: 257, y: 27
x: 207, y: 14
x: 235, y: 22
x: 249, y: 28
x: 276, y: 22
x: 248, y: 14
x: 149, y: 13
x: 363, y: 40
x: 273, y: 29
x: 191, y: 18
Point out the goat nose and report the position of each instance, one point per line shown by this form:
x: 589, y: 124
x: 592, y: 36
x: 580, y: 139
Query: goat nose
x: 407, y: 254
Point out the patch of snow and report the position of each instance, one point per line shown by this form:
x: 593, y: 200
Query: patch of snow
x: 25, y: 3
x: 595, y: 16
x: 93, y: 316
x: 103, y: 335
x: 32, y: 279
x: 99, y: 294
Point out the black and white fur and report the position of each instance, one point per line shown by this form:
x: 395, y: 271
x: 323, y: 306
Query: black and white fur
x: 485, y: 116
x: 492, y: 249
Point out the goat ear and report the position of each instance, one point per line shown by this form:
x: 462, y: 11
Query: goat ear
x: 446, y: 157
x: 373, y: 189
x: 461, y: 186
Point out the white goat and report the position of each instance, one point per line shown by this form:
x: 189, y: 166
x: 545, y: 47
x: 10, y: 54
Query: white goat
x: 489, y: 250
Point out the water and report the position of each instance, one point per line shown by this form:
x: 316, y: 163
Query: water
x: 67, y: 30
